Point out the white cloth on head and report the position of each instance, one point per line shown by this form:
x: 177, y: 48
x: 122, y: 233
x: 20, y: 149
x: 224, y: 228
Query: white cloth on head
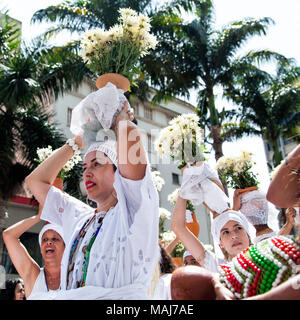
x: 122, y: 259
x: 231, y: 215
x: 102, y: 105
x: 197, y: 187
x: 51, y: 226
x: 186, y: 254
x: 108, y: 147
x: 254, y: 206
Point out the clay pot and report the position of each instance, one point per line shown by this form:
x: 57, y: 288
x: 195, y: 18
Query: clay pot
x: 58, y: 183
x: 194, y: 226
x: 192, y: 283
x: 248, y: 189
x: 118, y: 80
x: 178, y: 261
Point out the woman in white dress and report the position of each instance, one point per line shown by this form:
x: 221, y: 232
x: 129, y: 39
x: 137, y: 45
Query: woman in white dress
x: 230, y: 229
x: 111, y: 252
x: 36, y: 280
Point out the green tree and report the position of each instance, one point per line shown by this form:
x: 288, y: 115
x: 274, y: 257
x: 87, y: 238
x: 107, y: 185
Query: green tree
x: 269, y: 105
x: 29, y: 76
x: 197, y: 56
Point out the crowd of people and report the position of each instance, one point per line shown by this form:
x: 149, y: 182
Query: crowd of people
x: 112, y: 252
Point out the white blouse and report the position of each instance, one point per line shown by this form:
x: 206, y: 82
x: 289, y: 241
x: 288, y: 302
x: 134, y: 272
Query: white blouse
x: 125, y: 252
x: 211, y: 261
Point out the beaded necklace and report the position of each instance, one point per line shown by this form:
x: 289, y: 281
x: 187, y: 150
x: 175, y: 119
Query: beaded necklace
x: 87, y: 253
x: 75, y: 245
x: 261, y: 267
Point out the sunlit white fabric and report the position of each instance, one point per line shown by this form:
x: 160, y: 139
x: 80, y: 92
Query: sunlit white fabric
x: 197, y: 187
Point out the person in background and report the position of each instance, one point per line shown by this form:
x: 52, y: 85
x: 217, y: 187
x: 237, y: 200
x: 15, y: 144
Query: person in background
x: 36, y: 279
x: 14, y: 290
x: 189, y: 260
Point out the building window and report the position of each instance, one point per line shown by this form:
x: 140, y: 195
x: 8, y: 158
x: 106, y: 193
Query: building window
x: 175, y: 178
x: 69, y: 116
x: 148, y: 112
x: 149, y: 142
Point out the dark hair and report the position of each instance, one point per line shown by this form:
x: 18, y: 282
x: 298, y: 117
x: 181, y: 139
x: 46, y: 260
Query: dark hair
x: 10, y: 286
x: 166, y: 263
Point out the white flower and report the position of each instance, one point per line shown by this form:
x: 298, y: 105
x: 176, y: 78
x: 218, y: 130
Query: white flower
x: 164, y: 214
x: 172, y: 197
x: 157, y: 180
x: 168, y: 236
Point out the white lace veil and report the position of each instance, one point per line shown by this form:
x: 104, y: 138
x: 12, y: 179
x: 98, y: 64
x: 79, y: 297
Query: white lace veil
x: 255, y: 207
x: 99, y: 108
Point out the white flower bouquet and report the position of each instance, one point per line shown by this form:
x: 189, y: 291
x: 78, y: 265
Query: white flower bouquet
x: 164, y: 215
x: 236, y: 170
x: 158, y: 181
x: 182, y: 140
x: 118, y: 49
x: 45, y: 153
x: 172, y: 198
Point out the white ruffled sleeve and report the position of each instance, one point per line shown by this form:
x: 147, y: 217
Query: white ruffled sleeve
x: 197, y: 187
x: 64, y: 210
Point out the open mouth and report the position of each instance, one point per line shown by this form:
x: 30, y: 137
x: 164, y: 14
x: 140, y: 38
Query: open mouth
x: 89, y: 184
x: 49, y: 251
x: 236, y: 244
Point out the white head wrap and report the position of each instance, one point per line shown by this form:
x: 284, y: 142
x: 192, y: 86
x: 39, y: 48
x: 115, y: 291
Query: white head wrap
x: 102, y: 105
x: 51, y: 226
x: 254, y: 206
x: 108, y: 147
x: 230, y: 215
x: 186, y: 254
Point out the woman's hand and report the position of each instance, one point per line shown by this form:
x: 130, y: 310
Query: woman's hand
x: 79, y: 141
x: 125, y: 115
x: 222, y: 293
x: 290, y: 216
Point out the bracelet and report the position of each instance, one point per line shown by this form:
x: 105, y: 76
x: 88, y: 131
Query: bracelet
x: 293, y: 170
x: 73, y: 145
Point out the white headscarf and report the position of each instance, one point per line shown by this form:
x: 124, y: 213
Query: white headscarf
x: 186, y: 254
x: 108, y: 147
x: 51, y: 226
x: 230, y: 215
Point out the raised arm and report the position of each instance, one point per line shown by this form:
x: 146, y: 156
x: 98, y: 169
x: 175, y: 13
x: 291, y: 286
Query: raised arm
x: 26, y: 267
x: 41, y: 179
x: 284, y: 189
x: 132, y: 157
x: 192, y: 243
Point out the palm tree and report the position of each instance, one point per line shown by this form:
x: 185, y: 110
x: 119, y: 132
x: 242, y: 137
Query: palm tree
x: 269, y: 105
x: 203, y: 59
x: 29, y: 75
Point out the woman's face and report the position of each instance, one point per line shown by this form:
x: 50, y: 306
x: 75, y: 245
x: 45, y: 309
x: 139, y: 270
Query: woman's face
x: 98, y: 176
x: 234, y: 238
x: 52, y: 247
x: 19, y: 291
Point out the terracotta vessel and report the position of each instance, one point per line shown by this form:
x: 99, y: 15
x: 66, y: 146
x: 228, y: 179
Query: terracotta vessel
x: 58, y: 183
x: 118, y: 80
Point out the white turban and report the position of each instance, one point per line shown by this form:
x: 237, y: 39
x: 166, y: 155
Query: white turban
x: 186, y: 254
x: 230, y: 215
x: 51, y: 226
x: 109, y: 148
